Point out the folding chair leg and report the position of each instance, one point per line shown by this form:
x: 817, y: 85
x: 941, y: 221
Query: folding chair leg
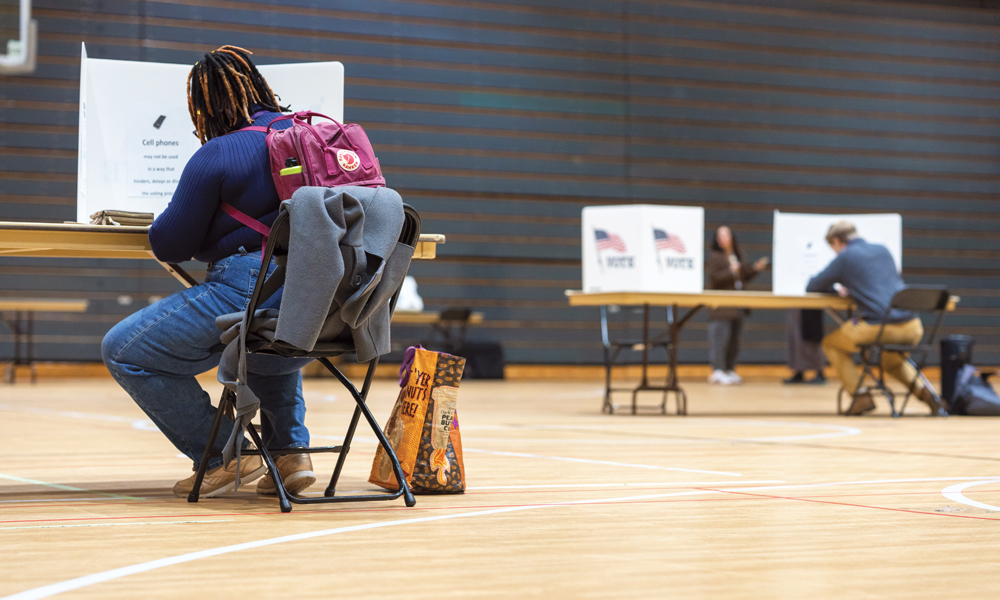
x: 892, y: 403
x: 909, y: 390
x: 877, y: 382
x: 207, y: 454
x: 331, y: 489
x: 607, y: 407
x: 880, y: 382
x: 279, y: 486
x: 941, y: 412
x: 397, y: 469
x: 610, y: 358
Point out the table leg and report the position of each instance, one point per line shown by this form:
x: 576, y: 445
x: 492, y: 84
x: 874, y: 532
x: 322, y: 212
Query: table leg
x: 836, y: 316
x: 672, y: 384
x: 8, y: 371
x: 675, y: 333
x: 644, y: 383
x: 18, y: 328
x: 30, y: 354
x: 19, y: 343
x: 179, y: 273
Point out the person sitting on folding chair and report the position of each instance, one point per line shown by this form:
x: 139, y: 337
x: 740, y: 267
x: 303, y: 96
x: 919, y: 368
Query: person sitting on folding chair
x: 155, y: 353
x: 867, y: 272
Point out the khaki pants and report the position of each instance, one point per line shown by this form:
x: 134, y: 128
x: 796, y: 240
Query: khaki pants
x: 841, y: 345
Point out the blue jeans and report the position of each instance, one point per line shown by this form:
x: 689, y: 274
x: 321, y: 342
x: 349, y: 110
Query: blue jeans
x: 155, y: 354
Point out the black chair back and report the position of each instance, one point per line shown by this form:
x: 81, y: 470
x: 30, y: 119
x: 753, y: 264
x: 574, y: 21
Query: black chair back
x: 410, y: 233
x: 921, y: 298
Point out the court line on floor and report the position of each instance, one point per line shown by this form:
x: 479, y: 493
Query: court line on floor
x: 577, y: 487
x: 141, y: 424
x: 562, y: 458
x: 599, y: 462
x: 853, y: 505
x: 68, y: 488
x: 467, y: 507
x: 57, y: 500
x: 838, y: 430
x: 780, y: 443
x: 95, y: 578
x: 595, y: 485
x: 89, y: 580
x: 590, y: 441
x: 117, y: 524
x: 834, y: 430
x: 954, y: 493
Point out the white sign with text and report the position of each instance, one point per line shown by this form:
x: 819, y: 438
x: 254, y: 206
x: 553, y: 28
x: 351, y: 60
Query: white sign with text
x: 159, y: 144
x: 136, y: 134
x: 800, y: 248
x: 643, y: 248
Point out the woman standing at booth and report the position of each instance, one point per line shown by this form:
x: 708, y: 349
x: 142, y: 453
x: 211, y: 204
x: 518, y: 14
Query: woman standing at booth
x: 726, y: 270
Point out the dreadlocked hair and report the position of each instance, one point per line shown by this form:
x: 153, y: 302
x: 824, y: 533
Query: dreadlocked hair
x: 223, y: 88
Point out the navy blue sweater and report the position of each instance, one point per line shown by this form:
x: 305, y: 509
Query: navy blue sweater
x: 869, y: 274
x: 234, y: 168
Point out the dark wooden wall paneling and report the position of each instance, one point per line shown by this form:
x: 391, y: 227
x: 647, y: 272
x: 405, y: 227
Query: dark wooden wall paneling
x: 500, y: 120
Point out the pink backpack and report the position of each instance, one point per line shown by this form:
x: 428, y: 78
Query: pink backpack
x: 325, y: 154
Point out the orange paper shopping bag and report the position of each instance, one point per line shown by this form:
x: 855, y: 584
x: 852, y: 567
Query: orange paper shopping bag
x: 423, y: 427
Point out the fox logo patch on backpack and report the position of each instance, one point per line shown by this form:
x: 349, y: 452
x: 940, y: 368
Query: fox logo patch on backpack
x: 348, y: 159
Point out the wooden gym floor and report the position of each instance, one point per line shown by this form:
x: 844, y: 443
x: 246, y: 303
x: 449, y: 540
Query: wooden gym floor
x: 761, y: 493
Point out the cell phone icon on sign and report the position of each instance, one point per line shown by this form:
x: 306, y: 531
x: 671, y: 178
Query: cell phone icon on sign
x: 159, y: 121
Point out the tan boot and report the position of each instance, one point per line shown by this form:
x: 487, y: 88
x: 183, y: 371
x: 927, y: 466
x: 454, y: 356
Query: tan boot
x: 863, y: 402
x: 222, y: 479
x: 927, y: 397
x: 296, y: 474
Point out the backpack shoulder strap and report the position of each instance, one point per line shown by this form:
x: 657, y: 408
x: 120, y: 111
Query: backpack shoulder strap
x: 245, y: 219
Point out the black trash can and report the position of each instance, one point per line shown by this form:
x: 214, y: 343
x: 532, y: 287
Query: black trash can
x: 956, y: 352
x: 483, y: 360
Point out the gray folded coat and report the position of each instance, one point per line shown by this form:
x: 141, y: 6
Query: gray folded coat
x: 344, y: 263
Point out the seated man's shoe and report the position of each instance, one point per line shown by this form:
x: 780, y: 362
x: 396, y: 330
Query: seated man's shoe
x: 863, y: 403
x: 296, y: 474
x: 222, y: 479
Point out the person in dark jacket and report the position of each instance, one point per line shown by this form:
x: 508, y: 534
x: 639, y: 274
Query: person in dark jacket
x: 156, y: 353
x: 726, y: 270
x: 867, y: 273
x: 805, y: 334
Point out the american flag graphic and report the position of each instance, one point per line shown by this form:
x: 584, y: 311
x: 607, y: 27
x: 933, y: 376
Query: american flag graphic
x: 665, y: 241
x: 607, y: 240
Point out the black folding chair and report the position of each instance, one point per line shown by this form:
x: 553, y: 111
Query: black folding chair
x: 919, y: 299
x: 322, y: 352
x: 612, y: 351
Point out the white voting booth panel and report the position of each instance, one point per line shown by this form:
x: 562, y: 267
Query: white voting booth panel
x: 800, y: 248
x: 643, y: 248
x: 136, y: 134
